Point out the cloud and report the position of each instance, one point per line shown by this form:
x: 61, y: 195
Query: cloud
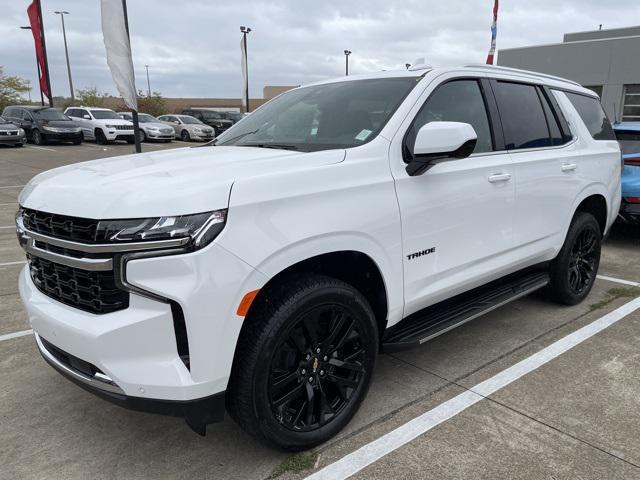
x: 192, y: 47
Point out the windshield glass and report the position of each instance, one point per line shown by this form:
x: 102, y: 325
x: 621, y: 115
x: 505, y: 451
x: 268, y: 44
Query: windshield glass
x: 629, y: 142
x: 321, y: 117
x: 146, y: 118
x: 49, y: 114
x: 236, y: 117
x: 189, y: 120
x: 105, y: 115
x: 211, y: 115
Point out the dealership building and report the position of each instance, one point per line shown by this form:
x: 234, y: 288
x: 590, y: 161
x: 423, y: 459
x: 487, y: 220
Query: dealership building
x: 605, y: 61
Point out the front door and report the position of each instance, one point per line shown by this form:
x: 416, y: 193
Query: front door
x: 457, y: 217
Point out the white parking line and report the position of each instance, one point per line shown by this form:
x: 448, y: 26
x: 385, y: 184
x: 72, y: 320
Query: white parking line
x: 9, y: 336
x: 7, y: 204
x: 13, y: 186
x: 618, y: 280
x: 41, y: 148
x: 21, y: 262
x: 8, y: 226
x: 370, y: 453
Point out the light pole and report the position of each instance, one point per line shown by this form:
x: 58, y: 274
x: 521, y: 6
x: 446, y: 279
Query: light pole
x: 346, y: 62
x: 245, y: 31
x: 62, y: 13
x: 148, y: 84
x: 38, y: 69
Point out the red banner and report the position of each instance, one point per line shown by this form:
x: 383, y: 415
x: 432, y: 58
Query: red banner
x: 33, y: 11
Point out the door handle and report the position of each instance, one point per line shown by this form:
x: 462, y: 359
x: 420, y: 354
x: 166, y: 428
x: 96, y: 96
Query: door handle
x: 569, y: 167
x: 499, y: 177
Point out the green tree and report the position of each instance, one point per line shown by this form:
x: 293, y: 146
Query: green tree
x: 90, y: 97
x: 11, y: 89
x: 154, y: 105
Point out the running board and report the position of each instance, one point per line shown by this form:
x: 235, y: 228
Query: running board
x: 426, y: 324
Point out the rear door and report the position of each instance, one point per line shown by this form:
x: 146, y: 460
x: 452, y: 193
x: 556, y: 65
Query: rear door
x: 457, y: 216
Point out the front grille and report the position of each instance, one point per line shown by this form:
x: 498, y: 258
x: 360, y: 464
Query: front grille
x: 8, y: 132
x: 76, y: 229
x: 91, y: 291
x: 124, y: 127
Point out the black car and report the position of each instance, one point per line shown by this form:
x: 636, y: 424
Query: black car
x: 44, y: 124
x: 214, y: 119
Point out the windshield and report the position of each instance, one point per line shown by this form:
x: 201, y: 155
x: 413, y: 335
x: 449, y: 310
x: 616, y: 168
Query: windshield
x: 146, y: 118
x: 105, y: 115
x: 49, y: 114
x: 629, y: 142
x: 190, y: 120
x: 334, y: 115
x: 236, y: 117
x: 211, y: 115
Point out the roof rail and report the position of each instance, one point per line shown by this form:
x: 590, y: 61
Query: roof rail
x: 518, y: 70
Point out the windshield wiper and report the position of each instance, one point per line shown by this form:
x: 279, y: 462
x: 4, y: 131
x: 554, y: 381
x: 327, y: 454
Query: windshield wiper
x: 280, y: 146
x: 237, y: 137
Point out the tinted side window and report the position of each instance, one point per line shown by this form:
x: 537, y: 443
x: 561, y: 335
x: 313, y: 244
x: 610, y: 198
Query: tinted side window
x: 456, y: 101
x: 593, y: 116
x: 554, y: 128
x: 523, y: 119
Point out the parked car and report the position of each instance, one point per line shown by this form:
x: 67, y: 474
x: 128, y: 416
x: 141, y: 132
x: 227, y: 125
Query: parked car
x: 11, y: 134
x: 234, y: 117
x: 264, y: 271
x: 150, y: 127
x: 43, y: 124
x: 101, y: 124
x: 214, y: 119
x: 628, y: 134
x: 189, y: 128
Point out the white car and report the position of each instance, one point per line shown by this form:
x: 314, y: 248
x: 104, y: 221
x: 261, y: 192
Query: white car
x: 189, y: 128
x: 101, y: 124
x: 262, y: 273
x: 151, y: 128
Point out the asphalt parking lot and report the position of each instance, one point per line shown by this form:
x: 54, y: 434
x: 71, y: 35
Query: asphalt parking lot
x: 454, y: 408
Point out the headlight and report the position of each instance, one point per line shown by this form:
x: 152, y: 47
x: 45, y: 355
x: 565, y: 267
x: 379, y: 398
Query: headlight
x: 21, y: 131
x: 153, y: 129
x: 110, y: 126
x: 202, y: 228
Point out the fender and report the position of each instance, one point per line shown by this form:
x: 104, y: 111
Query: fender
x: 594, y: 188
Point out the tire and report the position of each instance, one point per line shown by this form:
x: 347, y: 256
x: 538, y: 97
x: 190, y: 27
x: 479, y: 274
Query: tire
x: 273, y: 347
x: 18, y: 145
x: 38, y: 138
x: 78, y: 141
x: 142, y: 135
x: 131, y: 140
x: 100, y: 138
x: 184, y: 136
x: 573, y: 271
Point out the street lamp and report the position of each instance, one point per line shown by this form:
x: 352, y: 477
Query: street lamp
x: 62, y: 13
x: 245, y: 31
x: 38, y: 68
x: 346, y: 62
x: 148, y: 84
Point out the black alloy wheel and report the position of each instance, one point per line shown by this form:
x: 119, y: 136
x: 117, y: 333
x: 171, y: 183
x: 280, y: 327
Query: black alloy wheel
x: 38, y: 138
x: 573, y: 271
x: 100, y: 137
x: 184, y: 136
x: 316, y: 369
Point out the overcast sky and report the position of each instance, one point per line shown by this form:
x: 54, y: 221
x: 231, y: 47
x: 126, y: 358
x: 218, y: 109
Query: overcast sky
x: 192, y: 46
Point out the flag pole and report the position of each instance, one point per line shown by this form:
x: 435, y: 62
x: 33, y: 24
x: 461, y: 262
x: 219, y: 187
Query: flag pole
x: 134, y: 113
x: 494, y: 34
x: 44, y: 54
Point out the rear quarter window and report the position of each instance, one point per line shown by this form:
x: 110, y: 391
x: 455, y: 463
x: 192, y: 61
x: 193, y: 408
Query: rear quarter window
x: 592, y: 115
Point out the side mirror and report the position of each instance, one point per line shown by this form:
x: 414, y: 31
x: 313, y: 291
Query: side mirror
x: 438, y: 142
x: 86, y: 117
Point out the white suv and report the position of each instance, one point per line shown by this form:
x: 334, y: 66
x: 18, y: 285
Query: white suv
x: 262, y: 273
x: 101, y: 124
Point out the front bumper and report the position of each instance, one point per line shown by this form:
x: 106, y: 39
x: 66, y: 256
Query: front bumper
x: 62, y: 136
x: 12, y: 139
x: 197, y: 412
x: 112, y: 135
x: 159, y: 135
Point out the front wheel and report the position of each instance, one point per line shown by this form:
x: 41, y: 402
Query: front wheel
x: 573, y: 271
x: 304, y: 361
x: 184, y: 136
x: 101, y: 139
x: 38, y: 138
x: 142, y: 135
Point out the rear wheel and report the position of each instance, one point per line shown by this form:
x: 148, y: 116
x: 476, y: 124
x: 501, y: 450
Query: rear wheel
x: 303, y: 363
x: 573, y: 272
x: 184, y: 136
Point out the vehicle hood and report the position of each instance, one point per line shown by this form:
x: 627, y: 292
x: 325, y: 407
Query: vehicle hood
x: 8, y: 126
x: 113, y: 121
x: 59, y: 123
x: 162, y: 183
x: 157, y: 125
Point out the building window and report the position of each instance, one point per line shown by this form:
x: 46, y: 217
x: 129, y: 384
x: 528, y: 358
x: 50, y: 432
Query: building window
x: 597, y: 89
x: 631, y: 105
